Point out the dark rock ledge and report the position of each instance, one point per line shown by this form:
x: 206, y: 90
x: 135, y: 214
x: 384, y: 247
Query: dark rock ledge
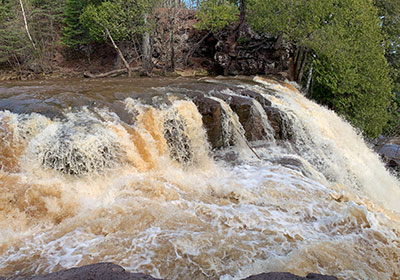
x: 110, y: 271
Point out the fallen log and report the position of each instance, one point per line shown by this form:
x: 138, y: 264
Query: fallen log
x: 113, y: 73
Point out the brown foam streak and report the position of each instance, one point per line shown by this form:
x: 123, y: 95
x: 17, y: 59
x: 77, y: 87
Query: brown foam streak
x: 10, y: 147
x: 24, y: 205
x: 140, y: 144
x: 154, y: 126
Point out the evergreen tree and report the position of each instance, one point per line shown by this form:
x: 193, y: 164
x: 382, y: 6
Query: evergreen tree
x: 351, y: 74
x: 216, y: 14
x: 75, y: 34
x: 15, y: 49
x: 389, y: 14
x: 122, y: 20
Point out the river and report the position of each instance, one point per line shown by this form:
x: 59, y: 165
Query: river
x: 123, y: 170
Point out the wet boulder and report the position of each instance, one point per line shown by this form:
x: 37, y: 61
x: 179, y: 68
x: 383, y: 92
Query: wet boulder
x: 249, y: 117
x: 277, y: 119
x: 389, y: 150
x: 211, y: 113
x: 98, y: 271
x: 280, y: 123
x: 103, y: 271
x: 255, y: 95
x: 289, y: 276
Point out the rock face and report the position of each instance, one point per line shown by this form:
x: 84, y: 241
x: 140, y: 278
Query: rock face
x: 231, y: 51
x: 243, y: 103
x: 98, y: 271
x: 289, y: 276
x: 211, y: 112
x: 389, y: 150
x: 246, y: 52
x: 110, y: 271
x: 238, y: 50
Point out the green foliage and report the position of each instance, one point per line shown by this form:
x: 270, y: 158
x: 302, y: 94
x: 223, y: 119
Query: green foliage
x: 243, y: 40
x: 351, y: 74
x: 298, y: 20
x: 389, y: 14
x: 74, y: 33
x: 124, y: 19
x: 216, y: 14
x: 15, y: 48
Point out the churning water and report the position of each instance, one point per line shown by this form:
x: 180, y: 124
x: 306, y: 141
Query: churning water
x: 126, y: 174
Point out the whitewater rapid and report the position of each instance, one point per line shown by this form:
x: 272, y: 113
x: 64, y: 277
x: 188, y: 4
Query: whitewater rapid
x: 142, y: 187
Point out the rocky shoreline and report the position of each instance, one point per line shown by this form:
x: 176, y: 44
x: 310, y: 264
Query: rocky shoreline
x: 110, y: 271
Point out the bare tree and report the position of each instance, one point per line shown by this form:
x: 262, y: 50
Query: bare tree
x: 171, y: 19
x: 119, y: 52
x: 146, y: 47
x: 26, y: 24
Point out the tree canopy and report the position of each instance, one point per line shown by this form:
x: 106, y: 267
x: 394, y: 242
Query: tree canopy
x: 351, y: 74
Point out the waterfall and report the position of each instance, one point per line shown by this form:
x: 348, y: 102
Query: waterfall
x: 164, y: 180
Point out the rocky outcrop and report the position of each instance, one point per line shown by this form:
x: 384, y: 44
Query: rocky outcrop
x: 231, y: 51
x: 389, y: 150
x: 242, y: 102
x: 250, y: 54
x: 249, y: 117
x: 211, y: 112
x: 110, y: 271
x: 289, y: 276
x: 98, y: 271
x: 237, y: 51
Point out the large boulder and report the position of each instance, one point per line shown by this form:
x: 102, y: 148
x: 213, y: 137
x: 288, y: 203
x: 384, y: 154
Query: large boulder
x: 211, y: 113
x: 110, y: 271
x: 389, y: 150
x: 243, y: 103
x: 98, y: 271
x: 249, y: 117
x: 289, y: 276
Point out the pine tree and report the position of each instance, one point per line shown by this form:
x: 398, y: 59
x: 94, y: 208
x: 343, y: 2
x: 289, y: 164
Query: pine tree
x: 15, y: 48
x: 351, y: 74
x: 216, y: 14
x: 74, y: 33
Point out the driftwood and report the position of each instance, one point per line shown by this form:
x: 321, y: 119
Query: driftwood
x: 113, y: 73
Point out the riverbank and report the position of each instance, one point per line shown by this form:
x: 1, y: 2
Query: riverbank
x: 108, y: 271
x: 231, y: 51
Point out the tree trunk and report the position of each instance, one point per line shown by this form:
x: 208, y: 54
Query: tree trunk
x: 26, y: 25
x: 119, y: 52
x: 171, y: 20
x: 195, y: 47
x: 299, y: 54
x: 172, y: 38
x: 147, y: 53
x: 242, y: 18
x: 302, y: 67
x: 309, y: 78
x: 113, y: 73
x: 292, y: 70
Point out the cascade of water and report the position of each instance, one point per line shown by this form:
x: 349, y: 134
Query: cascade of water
x: 257, y: 109
x: 233, y: 132
x: 139, y: 187
x: 333, y: 147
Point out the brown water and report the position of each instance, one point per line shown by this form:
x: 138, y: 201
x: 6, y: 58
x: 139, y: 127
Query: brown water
x: 120, y: 170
